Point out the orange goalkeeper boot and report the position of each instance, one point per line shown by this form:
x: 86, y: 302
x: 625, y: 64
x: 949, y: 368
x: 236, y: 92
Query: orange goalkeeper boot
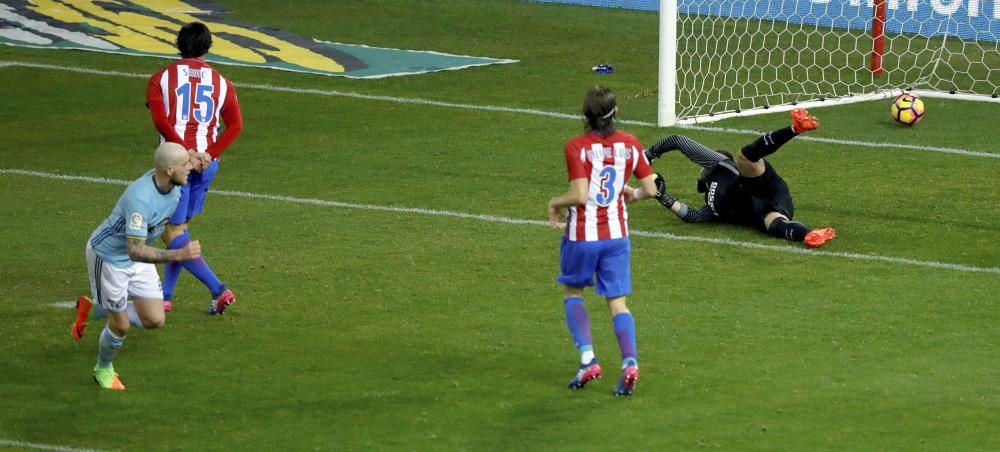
x: 817, y: 237
x: 802, y: 121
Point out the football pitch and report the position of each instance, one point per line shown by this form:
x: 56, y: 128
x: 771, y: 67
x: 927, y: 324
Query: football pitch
x: 394, y: 273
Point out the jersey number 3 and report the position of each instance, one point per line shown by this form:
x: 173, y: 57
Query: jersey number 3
x: 202, y: 98
x: 607, y: 192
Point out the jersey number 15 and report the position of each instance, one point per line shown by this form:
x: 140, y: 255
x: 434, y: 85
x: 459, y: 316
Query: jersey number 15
x: 202, y: 98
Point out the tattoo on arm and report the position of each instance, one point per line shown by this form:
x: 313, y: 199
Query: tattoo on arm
x: 139, y: 251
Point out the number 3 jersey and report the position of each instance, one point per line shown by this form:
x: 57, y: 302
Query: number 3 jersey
x: 607, y: 162
x: 188, y: 99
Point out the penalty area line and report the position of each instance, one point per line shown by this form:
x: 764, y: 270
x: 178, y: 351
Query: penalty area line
x: 519, y: 221
x: 494, y: 108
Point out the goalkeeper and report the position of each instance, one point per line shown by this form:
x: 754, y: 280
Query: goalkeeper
x: 745, y: 190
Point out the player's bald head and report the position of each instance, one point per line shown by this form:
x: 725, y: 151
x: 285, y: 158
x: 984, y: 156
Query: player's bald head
x: 169, y: 155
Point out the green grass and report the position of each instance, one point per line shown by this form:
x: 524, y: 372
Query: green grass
x: 360, y: 329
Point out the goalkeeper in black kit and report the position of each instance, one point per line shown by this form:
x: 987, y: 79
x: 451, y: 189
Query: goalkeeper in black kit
x: 744, y: 190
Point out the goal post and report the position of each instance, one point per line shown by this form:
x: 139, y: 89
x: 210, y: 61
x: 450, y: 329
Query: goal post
x: 742, y: 57
x: 666, y: 111
x: 878, y: 36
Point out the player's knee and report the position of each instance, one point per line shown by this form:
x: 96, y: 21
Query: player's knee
x: 153, y: 321
x: 747, y: 167
x: 617, y: 305
x: 117, y: 326
x: 742, y: 156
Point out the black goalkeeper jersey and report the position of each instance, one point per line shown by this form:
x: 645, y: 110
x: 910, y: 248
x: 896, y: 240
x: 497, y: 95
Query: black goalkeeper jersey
x: 745, y: 201
x: 726, y: 196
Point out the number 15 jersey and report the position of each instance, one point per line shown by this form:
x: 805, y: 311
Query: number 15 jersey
x: 187, y: 100
x: 607, y: 162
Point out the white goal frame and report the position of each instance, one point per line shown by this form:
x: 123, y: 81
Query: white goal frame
x: 667, y: 97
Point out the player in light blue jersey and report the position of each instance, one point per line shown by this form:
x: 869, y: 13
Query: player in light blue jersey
x: 120, y: 259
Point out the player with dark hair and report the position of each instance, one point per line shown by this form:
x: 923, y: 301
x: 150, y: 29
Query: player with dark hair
x: 745, y: 190
x: 194, y: 40
x: 600, y: 163
x: 187, y: 100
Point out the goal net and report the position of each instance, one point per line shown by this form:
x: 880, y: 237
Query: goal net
x: 746, y: 57
x: 720, y: 59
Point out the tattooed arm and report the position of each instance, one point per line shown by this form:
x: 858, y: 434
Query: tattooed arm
x: 139, y: 251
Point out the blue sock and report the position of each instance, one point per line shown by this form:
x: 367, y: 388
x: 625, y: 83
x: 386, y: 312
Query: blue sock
x: 108, y: 346
x: 133, y: 316
x: 198, y: 267
x: 579, y: 327
x: 625, y: 330
x: 172, y: 270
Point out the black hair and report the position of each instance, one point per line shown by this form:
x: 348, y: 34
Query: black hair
x: 599, y: 110
x: 194, y: 40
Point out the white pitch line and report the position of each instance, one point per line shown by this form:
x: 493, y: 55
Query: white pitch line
x: 519, y: 221
x: 527, y: 111
x: 27, y: 445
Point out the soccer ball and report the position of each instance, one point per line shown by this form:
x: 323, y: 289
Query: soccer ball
x: 907, y: 109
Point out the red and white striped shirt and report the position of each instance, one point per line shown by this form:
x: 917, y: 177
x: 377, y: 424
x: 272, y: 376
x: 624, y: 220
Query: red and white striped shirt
x: 606, y: 162
x: 187, y: 100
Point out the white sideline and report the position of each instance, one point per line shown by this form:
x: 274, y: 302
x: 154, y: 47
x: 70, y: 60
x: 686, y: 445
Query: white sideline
x: 27, y: 445
x: 527, y: 111
x: 518, y: 221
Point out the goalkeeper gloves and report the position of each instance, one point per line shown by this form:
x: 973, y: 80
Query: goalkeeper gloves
x: 661, y: 191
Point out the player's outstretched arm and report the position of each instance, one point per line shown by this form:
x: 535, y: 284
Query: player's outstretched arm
x: 693, y: 150
x: 680, y: 209
x: 647, y: 189
x: 139, y: 251
x: 662, y: 147
x: 687, y: 214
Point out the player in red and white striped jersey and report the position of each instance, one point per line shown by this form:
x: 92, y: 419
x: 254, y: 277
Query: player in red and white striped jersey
x: 600, y: 163
x: 188, y: 101
x: 607, y: 162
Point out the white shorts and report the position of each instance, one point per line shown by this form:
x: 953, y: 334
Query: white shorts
x: 111, y: 286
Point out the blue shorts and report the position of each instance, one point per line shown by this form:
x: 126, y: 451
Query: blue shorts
x: 193, y: 194
x: 609, y: 259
